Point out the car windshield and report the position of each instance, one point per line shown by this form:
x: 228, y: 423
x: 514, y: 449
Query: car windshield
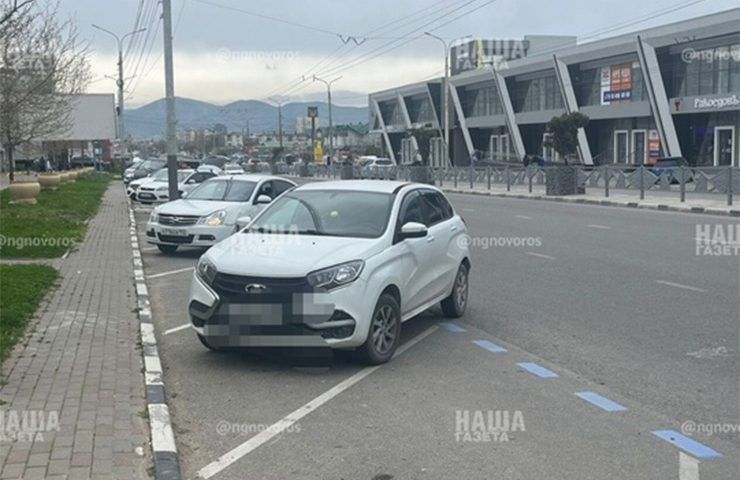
x: 338, y: 213
x: 160, y: 175
x: 223, y: 191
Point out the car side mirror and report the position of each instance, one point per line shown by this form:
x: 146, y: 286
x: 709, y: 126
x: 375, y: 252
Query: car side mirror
x: 183, y: 194
x: 263, y: 199
x: 242, y: 222
x: 413, y: 230
x: 190, y: 181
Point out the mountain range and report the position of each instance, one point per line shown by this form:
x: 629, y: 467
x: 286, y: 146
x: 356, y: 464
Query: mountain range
x: 148, y: 121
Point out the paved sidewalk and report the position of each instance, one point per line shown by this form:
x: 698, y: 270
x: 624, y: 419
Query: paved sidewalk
x: 82, y: 366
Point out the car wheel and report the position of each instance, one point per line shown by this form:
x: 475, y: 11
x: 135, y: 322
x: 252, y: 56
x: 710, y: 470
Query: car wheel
x: 207, y: 344
x: 454, y: 305
x: 385, y: 331
x: 167, y: 248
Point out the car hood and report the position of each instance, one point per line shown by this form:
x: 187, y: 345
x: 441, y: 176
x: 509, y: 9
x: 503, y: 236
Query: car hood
x: 141, y: 181
x: 269, y: 255
x: 195, y: 207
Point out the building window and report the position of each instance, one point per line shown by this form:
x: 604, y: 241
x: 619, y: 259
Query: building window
x: 538, y: 94
x: 705, y: 72
x: 481, y: 101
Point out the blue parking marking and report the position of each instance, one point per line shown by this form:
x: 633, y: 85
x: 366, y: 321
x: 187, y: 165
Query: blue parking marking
x: 687, y: 444
x: 452, y: 327
x: 538, y: 370
x: 601, y: 402
x: 490, y: 346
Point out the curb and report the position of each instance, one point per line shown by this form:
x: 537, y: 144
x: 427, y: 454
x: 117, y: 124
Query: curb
x: 604, y: 202
x: 164, y: 449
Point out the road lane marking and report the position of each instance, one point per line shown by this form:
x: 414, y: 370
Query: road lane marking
x: 601, y: 402
x: 176, y: 329
x: 523, y: 217
x: 601, y: 227
x: 540, y: 255
x: 538, y: 370
x: 171, y: 272
x: 467, y: 209
x: 148, y: 249
x: 678, y: 285
x: 490, y: 346
x: 275, y: 429
x: 452, y: 327
x: 686, y: 444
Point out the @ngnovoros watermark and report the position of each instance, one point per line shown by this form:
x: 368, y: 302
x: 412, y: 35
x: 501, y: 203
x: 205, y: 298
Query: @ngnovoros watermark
x: 270, y: 56
x: 477, y: 426
x: 231, y: 428
x: 690, y: 427
x: 19, y: 243
x: 484, y: 243
x: 717, y: 240
x: 689, y: 55
x: 27, y: 425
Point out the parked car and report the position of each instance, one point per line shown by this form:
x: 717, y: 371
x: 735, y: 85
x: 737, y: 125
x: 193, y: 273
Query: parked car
x: 380, y: 168
x: 210, y: 212
x: 361, y: 257
x: 217, y: 160
x: 210, y: 168
x: 134, y: 185
x: 157, y: 190
x: 233, y: 169
x: 143, y: 169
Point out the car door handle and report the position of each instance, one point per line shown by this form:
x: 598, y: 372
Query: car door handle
x: 453, y: 228
x: 430, y: 239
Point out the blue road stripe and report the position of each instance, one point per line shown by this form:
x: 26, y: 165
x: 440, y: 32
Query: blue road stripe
x: 490, y: 346
x: 452, y: 327
x: 601, y: 402
x: 687, y: 444
x: 538, y: 370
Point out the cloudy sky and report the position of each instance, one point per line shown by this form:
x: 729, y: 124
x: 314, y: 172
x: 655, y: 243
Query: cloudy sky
x: 227, y: 50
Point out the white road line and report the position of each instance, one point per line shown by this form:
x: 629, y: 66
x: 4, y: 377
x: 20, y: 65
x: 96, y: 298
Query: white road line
x: 688, y: 467
x: 523, y: 216
x: 467, y: 209
x: 540, y: 255
x: 148, y: 249
x: 177, y: 329
x: 171, y: 272
x: 601, y: 227
x: 678, y: 285
x: 275, y: 429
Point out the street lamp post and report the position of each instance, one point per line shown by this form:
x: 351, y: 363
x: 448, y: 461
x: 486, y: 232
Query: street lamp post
x: 120, y: 81
x: 446, y: 88
x: 331, y: 124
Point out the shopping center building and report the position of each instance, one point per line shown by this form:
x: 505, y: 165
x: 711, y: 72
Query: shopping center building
x: 668, y: 91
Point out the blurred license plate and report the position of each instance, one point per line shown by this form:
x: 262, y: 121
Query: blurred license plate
x: 174, y: 232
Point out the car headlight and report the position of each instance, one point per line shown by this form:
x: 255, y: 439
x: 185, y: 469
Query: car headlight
x: 336, y: 276
x: 206, y: 270
x: 215, y: 219
x: 154, y: 217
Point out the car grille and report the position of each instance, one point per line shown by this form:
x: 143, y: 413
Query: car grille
x: 177, y: 220
x: 175, y: 239
x: 147, y: 189
x: 233, y: 286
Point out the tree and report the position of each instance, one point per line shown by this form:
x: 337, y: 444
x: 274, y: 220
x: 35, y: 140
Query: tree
x: 43, y: 65
x: 564, y: 131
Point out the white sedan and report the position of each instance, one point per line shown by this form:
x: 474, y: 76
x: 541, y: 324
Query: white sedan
x: 334, y: 264
x: 210, y: 212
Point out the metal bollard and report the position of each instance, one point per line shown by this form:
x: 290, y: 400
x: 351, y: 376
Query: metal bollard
x: 529, y: 173
x: 488, y: 176
x: 729, y: 185
x: 682, y: 171
x: 642, y: 182
x: 508, y: 179
x: 454, y: 171
x: 606, y: 181
x: 471, y: 171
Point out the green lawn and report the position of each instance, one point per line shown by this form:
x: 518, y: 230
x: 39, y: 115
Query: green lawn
x: 21, y: 289
x: 54, y: 224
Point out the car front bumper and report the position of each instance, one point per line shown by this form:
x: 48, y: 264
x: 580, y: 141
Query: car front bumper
x: 187, y: 236
x: 152, y: 196
x: 291, y: 318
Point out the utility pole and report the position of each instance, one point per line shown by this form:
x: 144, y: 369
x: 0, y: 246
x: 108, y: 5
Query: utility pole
x: 121, y: 131
x: 169, y: 80
x: 446, y: 91
x: 331, y: 124
x: 279, y: 101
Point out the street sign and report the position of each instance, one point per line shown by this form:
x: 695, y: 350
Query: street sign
x: 313, y: 112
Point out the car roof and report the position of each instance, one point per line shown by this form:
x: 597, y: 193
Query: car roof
x: 251, y: 177
x: 380, y: 186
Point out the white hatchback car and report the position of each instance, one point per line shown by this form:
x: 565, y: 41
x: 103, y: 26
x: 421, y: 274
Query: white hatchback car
x: 333, y: 264
x: 211, y: 211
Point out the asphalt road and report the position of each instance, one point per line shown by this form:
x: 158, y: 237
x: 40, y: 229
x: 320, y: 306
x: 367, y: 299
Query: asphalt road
x: 612, y: 301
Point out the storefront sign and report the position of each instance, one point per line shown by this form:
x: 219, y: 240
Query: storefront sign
x: 616, y: 84
x: 653, y: 146
x: 716, y: 103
